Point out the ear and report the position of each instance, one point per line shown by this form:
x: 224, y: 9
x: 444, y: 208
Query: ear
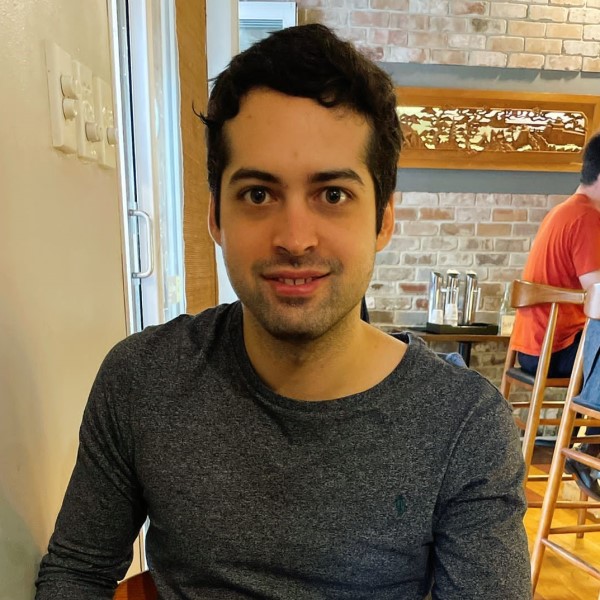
x: 387, y: 225
x: 213, y: 228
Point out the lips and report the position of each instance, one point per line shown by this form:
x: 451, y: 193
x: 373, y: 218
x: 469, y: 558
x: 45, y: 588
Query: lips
x: 295, y: 284
x: 294, y: 277
x: 295, y: 281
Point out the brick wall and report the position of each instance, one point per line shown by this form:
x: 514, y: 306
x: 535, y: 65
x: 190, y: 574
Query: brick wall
x: 559, y: 35
x: 490, y: 234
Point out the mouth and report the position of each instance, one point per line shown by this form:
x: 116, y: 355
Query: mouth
x: 298, y: 281
x: 295, y: 284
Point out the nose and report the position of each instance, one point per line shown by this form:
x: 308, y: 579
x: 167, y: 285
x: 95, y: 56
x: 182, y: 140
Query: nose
x: 296, y: 228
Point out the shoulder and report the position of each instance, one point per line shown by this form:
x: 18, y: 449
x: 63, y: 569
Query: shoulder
x: 453, y: 391
x: 577, y: 208
x: 164, y: 347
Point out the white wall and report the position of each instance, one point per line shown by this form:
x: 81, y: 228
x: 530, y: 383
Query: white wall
x: 61, y: 286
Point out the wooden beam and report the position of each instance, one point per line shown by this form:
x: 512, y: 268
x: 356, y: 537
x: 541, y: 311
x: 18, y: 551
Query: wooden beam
x: 200, y: 268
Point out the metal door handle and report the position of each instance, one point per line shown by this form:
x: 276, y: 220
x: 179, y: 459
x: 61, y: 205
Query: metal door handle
x: 140, y: 214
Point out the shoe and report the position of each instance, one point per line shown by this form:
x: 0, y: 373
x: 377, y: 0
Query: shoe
x: 585, y: 477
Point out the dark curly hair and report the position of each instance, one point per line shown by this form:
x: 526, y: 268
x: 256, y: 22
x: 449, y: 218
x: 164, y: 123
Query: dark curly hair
x: 309, y: 61
x: 590, y: 169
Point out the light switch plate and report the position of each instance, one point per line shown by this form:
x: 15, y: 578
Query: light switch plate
x: 86, y: 150
x: 106, y: 121
x: 64, y: 130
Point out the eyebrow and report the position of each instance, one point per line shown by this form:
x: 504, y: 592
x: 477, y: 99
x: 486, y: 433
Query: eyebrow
x: 242, y: 174
x: 325, y: 176
x: 320, y: 177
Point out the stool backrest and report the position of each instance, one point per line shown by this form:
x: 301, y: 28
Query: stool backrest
x: 527, y: 293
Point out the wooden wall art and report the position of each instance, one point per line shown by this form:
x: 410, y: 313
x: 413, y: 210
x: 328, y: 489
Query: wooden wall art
x: 476, y: 129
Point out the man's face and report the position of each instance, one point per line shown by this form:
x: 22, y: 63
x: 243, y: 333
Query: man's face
x: 297, y: 224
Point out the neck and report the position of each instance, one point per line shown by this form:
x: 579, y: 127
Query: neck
x: 318, y: 369
x: 592, y: 192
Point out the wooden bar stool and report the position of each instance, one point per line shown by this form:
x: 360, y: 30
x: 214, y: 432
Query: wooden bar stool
x: 138, y: 587
x: 526, y: 294
x: 561, y: 452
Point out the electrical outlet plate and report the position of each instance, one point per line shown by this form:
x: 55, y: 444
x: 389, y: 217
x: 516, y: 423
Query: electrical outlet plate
x: 86, y: 149
x: 64, y: 130
x: 106, y: 121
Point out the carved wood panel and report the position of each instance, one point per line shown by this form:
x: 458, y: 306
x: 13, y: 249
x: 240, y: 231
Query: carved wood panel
x: 478, y: 129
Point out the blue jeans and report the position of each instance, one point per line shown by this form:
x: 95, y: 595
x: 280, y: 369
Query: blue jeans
x: 561, y: 362
x: 561, y: 365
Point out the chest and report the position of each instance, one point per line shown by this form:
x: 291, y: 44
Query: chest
x: 236, y: 481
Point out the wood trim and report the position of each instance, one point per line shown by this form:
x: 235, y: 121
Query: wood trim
x: 200, y: 267
x: 448, y: 157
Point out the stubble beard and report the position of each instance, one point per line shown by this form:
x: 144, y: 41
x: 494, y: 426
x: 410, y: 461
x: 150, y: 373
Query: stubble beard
x: 299, y: 320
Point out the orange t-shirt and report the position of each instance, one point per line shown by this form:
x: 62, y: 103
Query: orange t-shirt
x: 567, y: 245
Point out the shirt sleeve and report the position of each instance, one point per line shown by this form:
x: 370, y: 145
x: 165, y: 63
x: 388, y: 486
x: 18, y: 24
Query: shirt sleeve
x: 480, y: 545
x: 103, y: 509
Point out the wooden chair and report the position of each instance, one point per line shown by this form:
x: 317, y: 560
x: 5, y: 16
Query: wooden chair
x: 562, y: 451
x: 526, y: 294
x: 138, y: 587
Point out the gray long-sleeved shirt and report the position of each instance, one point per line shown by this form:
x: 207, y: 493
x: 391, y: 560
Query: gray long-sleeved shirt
x: 254, y: 495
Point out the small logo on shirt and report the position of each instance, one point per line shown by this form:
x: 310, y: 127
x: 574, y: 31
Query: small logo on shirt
x: 400, y: 504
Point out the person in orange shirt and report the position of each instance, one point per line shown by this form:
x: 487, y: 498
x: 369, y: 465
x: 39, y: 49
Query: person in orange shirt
x: 565, y: 253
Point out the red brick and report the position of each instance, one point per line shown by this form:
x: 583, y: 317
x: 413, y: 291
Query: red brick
x: 406, y: 214
x: 526, y: 61
x: 419, y: 259
x: 493, y: 229
x: 476, y: 244
x: 459, y: 229
x: 529, y: 229
x: 436, y: 214
x: 449, y: 57
x: 509, y: 214
x: 416, y: 228
x: 390, y: 4
x: 409, y: 22
x: 413, y: 288
x: 366, y: 18
x: 456, y: 259
x: 459, y: 7
x: 496, y: 260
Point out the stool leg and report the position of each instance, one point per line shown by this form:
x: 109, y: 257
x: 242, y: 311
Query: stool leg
x: 556, y: 470
x: 533, y: 421
x: 581, y: 513
x: 509, y: 362
x: 565, y: 432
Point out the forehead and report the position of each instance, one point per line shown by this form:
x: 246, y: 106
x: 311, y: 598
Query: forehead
x: 275, y: 127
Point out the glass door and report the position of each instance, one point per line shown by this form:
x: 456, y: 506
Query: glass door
x: 147, y: 107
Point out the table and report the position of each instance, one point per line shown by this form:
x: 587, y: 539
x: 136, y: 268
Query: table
x: 464, y: 340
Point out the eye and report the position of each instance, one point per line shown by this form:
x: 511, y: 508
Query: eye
x: 256, y: 195
x: 335, y: 195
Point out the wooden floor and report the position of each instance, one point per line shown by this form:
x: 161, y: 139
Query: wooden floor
x: 559, y: 580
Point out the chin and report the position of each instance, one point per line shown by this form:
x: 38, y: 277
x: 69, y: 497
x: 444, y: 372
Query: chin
x: 286, y: 330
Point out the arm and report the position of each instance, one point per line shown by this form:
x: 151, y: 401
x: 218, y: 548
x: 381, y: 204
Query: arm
x: 585, y: 249
x: 103, y: 510
x: 480, y: 546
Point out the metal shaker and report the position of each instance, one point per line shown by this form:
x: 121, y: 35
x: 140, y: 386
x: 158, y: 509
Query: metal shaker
x: 451, y: 306
x: 471, y: 298
x: 436, y: 308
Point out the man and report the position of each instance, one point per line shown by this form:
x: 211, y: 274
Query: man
x: 281, y: 446
x: 565, y: 253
